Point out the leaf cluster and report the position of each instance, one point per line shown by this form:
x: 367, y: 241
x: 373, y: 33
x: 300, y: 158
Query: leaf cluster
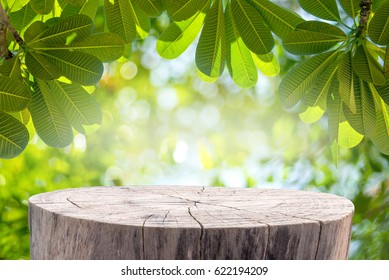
x: 45, y: 77
x: 345, y: 71
x: 236, y: 34
x: 56, y: 53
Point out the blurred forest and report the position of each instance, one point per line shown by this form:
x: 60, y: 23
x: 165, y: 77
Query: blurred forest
x: 163, y: 125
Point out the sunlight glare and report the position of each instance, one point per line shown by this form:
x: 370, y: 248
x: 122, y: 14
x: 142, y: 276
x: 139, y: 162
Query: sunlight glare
x: 180, y: 152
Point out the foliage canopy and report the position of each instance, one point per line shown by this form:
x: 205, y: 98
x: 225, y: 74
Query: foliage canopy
x: 50, y: 51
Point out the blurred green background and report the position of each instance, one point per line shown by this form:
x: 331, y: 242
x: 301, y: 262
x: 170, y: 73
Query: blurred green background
x: 163, y: 125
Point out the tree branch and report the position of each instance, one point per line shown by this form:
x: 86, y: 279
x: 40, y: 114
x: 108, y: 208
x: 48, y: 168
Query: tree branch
x: 4, y: 25
x: 364, y: 14
x: 4, y: 52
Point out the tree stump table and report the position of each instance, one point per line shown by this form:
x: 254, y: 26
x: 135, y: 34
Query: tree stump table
x: 166, y: 222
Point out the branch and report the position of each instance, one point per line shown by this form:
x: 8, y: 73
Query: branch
x: 365, y: 6
x: 4, y: 24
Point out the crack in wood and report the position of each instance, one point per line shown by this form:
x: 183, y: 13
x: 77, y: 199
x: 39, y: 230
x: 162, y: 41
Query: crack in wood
x: 201, y: 239
x: 267, y: 246
x: 237, y: 209
x: 143, y: 236
x: 318, y: 240
x: 165, y: 217
x: 181, y: 198
x: 75, y: 204
x: 251, y: 219
x: 213, y: 216
x: 297, y: 217
x: 201, y: 190
x: 254, y: 212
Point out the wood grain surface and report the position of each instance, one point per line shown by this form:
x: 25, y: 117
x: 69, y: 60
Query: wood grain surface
x: 182, y: 222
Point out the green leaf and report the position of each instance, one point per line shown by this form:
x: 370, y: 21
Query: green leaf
x: 367, y: 109
x: 311, y: 115
x: 126, y: 19
x: 67, y: 9
x: 11, y: 68
x: 339, y: 129
x: 267, y: 64
x: 335, y: 152
x: 142, y: 21
x: 254, y: 33
x: 78, y: 3
x: 14, y: 96
x: 325, y: 9
x: 179, y: 10
x: 367, y: 67
x: 152, y: 7
x: 211, y: 48
x: 364, y: 119
x: 351, y: 7
x: 79, y: 107
x: 21, y: 19
x: 78, y: 67
x: 375, y: 95
x: 380, y: 138
x: 348, y: 137
x: 179, y: 35
x: 16, y: 5
x: 89, y: 8
x: 22, y: 116
x: 280, y: 20
x: 313, y: 37
x: 35, y: 31
x: 317, y: 94
x: 386, y: 63
x: 315, y: 100
x: 378, y: 4
x: 335, y: 116
x: 346, y: 81
x: 64, y: 32
x: 40, y: 67
x: 42, y: 7
x: 379, y: 25
x: 105, y: 46
x: 239, y: 60
x: 127, y: 51
x: 383, y: 91
x: 49, y: 120
x: 300, y: 79
x: 13, y: 136
x: 51, y: 21
x: 206, y: 78
x: 120, y: 19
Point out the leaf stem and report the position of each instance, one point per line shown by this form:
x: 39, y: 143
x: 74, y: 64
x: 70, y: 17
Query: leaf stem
x: 344, y: 24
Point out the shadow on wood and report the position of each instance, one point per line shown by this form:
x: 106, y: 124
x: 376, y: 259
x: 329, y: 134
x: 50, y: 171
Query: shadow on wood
x: 166, y: 222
